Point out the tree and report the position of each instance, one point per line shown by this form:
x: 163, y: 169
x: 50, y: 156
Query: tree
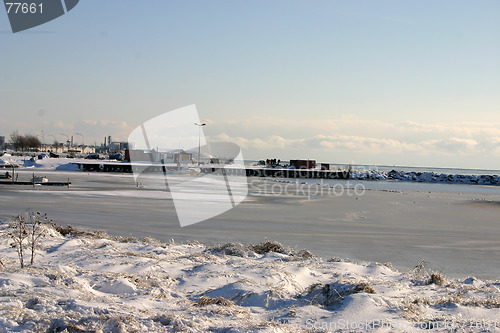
x: 56, y: 144
x: 22, y: 142
x: 17, y: 141
x: 32, y: 142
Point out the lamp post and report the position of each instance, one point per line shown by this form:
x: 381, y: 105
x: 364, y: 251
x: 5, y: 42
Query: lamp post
x: 67, y: 137
x: 55, y: 140
x: 43, y: 138
x: 83, y: 142
x: 199, y: 139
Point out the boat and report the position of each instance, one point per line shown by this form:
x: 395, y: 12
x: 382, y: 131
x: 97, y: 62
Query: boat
x: 6, y: 176
x: 39, y: 180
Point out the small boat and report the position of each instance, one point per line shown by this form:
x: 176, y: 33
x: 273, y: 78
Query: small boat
x: 39, y: 180
x: 6, y: 176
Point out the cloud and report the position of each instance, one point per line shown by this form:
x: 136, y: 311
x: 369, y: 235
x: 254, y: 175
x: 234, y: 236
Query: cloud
x: 462, y: 129
x: 324, y: 144
x: 453, y: 146
x: 353, y: 126
x: 364, y: 144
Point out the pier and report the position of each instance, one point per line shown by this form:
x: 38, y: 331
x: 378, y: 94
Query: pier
x: 9, y: 182
x: 248, y: 171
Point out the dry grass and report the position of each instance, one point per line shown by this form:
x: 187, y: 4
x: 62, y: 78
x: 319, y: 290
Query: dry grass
x: 72, y: 231
x: 331, y: 293
x: 305, y: 254
x: 240, y: 250
x: 267, y: 247
x: 364, y: 287
x: 230, y: 249
x: 437, y: 279
x: 207, y: 300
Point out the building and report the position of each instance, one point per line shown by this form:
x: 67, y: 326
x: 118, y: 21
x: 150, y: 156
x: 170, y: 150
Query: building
x: 303, y: 164
x: 177, y: 156
x: 118, y: 146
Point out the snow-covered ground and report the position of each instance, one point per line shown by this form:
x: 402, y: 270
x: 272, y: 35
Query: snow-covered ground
x: 26, y: 162
x: 90, y: 282
x: 427, y: 177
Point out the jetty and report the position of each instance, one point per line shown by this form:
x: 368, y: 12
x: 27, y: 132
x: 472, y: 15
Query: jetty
x: 31, y: 183
x: 249, y: 171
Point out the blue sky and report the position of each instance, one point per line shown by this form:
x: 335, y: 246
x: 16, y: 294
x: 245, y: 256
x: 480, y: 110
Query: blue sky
x: 369, y: 82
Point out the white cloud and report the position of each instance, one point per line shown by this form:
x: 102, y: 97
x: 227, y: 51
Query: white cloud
x: 453, y: 146
x: 343, y: 138
x: 431, y: 144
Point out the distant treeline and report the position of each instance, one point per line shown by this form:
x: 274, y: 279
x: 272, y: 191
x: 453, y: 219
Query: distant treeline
x: 24, y: 142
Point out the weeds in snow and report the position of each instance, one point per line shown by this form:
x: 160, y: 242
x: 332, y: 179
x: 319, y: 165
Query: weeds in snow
x: 267, y: 247
x: 437, y: 279
x: 207, y: 300
x: 27, y: 232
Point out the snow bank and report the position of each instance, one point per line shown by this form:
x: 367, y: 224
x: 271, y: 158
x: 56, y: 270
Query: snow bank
x: 427, y: 177
x: 61, y: 164
x: 86, y: 281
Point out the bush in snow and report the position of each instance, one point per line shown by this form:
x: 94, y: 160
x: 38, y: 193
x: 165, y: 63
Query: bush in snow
x: 27, y: 232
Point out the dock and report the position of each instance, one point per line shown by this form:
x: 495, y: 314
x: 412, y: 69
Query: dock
x: 10, y: 182
x: 277, y: 172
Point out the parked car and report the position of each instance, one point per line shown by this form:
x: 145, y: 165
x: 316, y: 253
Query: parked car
x: 53, y: 155
x: 42, y: 156
x: 117, y: 157
x: 93, y: 156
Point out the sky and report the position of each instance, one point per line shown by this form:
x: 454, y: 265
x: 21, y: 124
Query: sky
x: 365, y: 82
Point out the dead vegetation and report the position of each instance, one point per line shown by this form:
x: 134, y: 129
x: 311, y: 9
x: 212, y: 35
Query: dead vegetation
x: 331, y: 293
x: 267, y: 247
x: 437, y: 279
x: 27, y: 231
x: 97, y: 234
x: 71, y: 231
x: 207, y: 300
x: 240, y: 250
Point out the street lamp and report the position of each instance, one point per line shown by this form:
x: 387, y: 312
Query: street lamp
x: 83, y: 142
x: 55, y: 140
x: 67, y: 137
x: 199, y: 139
x: 43, y: 138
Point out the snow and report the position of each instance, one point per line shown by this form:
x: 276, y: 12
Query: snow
x: 47, y: 163
x: 427, y: 177
x: 88, y: 281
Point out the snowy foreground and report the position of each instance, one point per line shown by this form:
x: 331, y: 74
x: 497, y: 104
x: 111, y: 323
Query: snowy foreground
x: 86, y: 281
